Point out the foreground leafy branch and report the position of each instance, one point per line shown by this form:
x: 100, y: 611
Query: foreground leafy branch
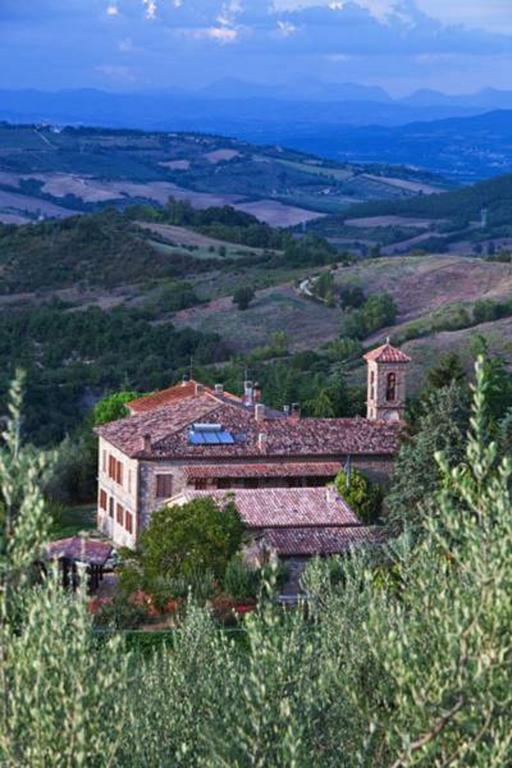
x: 403, y: 658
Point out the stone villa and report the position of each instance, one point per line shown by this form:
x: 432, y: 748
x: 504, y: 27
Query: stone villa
x: 193, y: 440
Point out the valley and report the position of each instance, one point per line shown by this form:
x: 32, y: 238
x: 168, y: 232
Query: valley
x: 123, y: 268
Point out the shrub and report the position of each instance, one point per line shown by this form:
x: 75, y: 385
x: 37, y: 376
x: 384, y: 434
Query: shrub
x: 243, y: 297
x: 364, y: 497
x: 377, y: 312
x: 187, y: 541
x: 120, y: 613
x: 240, y: 581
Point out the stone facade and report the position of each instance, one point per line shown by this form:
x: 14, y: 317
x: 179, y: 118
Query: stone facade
x: 119, y: 496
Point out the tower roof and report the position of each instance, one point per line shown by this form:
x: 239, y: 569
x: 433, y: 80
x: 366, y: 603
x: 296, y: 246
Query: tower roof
x: 387, y: 354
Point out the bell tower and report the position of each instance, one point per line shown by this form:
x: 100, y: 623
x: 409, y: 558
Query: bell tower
x: 387, y: 367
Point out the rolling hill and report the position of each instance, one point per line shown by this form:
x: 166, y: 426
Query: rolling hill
x: 48, y: 172
x: 475, y: 217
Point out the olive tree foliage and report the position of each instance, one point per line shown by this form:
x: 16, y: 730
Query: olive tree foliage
x: 55, y: 706
x: 401, y: 658
x: 433, y: 638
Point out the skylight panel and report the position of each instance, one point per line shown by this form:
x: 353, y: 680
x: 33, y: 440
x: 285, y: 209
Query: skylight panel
x: 209, y: 434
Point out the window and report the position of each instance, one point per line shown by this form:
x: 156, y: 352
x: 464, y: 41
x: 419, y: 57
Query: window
x: 115, y: 470
x: 103, y: 500
x: 164, y: 484
x: 104, y: 461
x: 128, y: 521
x: 201, y: 484
x: 120, y: 514
x: 372, y: 385
x: 129, y: 481
x: 391, y: 388
x: 111, y: 507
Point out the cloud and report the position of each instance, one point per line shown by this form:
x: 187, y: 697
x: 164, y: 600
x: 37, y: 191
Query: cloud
x: 124, y: 75
x: 183, y: 42
x: 126, y: 45
x: 151, y: 8
x: 222, y: 34
x: 382, y: 10
x: 286, y: 28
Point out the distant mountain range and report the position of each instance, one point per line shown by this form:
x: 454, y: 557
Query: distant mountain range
x: 230, y: 104
x: 465, y: 137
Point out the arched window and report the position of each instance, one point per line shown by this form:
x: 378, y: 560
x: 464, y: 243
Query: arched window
x: 391, y: 388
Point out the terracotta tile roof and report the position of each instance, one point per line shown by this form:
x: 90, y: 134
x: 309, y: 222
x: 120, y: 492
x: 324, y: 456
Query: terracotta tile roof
x: 321, y: 541
x: 169, y: 426
x: 283, y: 507
x: 281, y: 469
x: 128, y: 433
x: 177, y: 393
x: 387, y: 354
x: 86, y: 551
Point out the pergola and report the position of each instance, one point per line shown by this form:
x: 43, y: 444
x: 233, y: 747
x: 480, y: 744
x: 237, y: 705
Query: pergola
x: 79, y: 551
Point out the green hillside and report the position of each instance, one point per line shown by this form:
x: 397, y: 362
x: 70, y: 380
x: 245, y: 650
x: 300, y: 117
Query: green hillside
x: 472, y: 219
x: 466, y: 204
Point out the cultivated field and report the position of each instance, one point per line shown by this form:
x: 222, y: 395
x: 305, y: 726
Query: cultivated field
x: 176, y: 165
x: 277, y: 214
x: 415, y: 187
x: 390, y: 221
x: 186, y: 237
x: 18, y: 204
x: 221, y: 155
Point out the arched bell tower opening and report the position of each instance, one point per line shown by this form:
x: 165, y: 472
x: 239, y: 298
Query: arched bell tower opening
x: 387, y: 368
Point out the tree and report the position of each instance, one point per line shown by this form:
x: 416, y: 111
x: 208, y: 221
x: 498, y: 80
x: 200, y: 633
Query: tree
x: 447, y: 372
x: 321, y: 407
x: 441, y: 426
x: 352, y: 296
x: 364, y: 497
x: 182, y: 541
x: 402, y: 659
x: 112, y: 407
x: 498, y: 382
x: 243, y: 297
x: 53, y: 676
x: 378, y: 311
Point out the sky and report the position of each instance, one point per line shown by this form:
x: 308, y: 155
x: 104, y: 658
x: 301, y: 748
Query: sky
x: 457, y: 46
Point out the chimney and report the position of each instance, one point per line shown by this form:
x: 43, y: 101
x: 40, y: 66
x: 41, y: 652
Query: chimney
x: 185, y: 380
x: 286, y: 410
x: 262, y: 442
x: 199, y: 390
x: 248, y: 393
x: 295, y: 413
x: 259, y: 412
x: 219, y: 389
x: 147, y: 443
x: 331, y: 494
